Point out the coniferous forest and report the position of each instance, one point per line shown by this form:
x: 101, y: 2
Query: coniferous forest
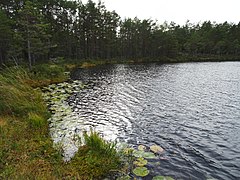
x: 36, y: 31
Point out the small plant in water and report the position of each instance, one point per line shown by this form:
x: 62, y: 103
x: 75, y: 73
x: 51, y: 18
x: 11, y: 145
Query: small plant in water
x: 97, y: 157
x: 99, y: 145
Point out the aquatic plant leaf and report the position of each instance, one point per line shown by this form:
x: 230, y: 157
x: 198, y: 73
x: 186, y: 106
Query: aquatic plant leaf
x: 128, y: 151
x: 137, y: 153
x: 147, y: 155
x: 141, y: 171
x: 140, y: 162
x: 141, y: 148
x: 156, y: 149
x: 162, y: 178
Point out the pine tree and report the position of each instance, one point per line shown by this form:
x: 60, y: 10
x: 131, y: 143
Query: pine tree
x: 34, y: 32
x: 5, y: 36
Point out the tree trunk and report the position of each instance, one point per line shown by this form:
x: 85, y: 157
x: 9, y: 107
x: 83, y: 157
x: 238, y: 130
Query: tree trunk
x: 33, y: 59
x: 29, y: 55
x: 1, y: 58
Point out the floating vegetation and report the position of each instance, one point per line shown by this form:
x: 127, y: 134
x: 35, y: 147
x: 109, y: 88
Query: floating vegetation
x: 128, y: 151
x: 156, y: 149
x: 141, y: 148
x: 162, y: 178
x: 68, y: 131
x: 143, y: 154
x: 140, y: 162
x: 68, y: 102
x: 142, y: 159
x: 62, y: 130
x: 141, y: 171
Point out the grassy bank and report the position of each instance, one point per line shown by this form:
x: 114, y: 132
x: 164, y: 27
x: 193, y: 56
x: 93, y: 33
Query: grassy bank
x: 26, y: 150
x: 180, y: 58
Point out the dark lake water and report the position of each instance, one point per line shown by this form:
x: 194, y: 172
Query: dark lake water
x: 192, y: 110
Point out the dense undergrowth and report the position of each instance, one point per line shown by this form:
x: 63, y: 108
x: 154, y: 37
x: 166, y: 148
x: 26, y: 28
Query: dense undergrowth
x: 26, y: 150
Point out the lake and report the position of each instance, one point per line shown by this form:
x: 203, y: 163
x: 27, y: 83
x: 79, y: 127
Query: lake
x: 192, y: 110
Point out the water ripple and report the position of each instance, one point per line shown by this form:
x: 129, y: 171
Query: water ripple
x: 192, y: 110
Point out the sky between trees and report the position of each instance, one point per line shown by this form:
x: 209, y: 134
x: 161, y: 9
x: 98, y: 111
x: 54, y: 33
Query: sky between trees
x: 178, y: 11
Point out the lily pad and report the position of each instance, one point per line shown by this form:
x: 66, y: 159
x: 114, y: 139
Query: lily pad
x: 140, y: 162
x: 141, y: 171
x: 162, y: 178
x: 147, y: 155
x: 156, y: 149
x: 141, y: 148
x: 128, y: 151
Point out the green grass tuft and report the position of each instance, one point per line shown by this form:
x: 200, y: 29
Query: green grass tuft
x: 35, y: 120
x: 97, y: 158
x: 98, y: 145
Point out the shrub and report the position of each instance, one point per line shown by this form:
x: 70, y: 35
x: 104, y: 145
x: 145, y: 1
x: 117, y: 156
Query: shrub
x: 48, y: 71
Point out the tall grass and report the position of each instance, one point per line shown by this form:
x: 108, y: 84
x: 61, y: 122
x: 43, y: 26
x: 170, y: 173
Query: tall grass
x: 26, y: 150
x: 17, y: 97
x: 97, y: 158
x: 98, y: 145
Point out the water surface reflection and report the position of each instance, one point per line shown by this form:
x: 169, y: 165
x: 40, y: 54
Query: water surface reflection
x: 192, y: 110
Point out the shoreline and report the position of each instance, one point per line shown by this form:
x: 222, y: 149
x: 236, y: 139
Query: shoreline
x: 26, y: 143
x: 88, y: 63
x: 26, y: 147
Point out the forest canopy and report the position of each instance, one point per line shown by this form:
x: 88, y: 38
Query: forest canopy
x: 37, y: 30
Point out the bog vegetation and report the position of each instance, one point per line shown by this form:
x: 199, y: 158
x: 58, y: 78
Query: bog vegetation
x: 26, y: 150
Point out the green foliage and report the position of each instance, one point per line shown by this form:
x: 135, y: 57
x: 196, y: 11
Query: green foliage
x: 25, y: 144
x: 141, y: 148
x: 34, y: 31
x: 16, y: 96
x: 70, y: 29
x: 141, y: 171
x: 48, y: 71
x: 5, y: 36
x: 98, y: 145
x: 35, y: 120
x: 162, y: 178
x: 147, y: 155
x: 140, y: 162
x: 97, y: 158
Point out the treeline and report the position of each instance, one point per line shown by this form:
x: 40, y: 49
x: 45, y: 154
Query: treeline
x: 38, y: 30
